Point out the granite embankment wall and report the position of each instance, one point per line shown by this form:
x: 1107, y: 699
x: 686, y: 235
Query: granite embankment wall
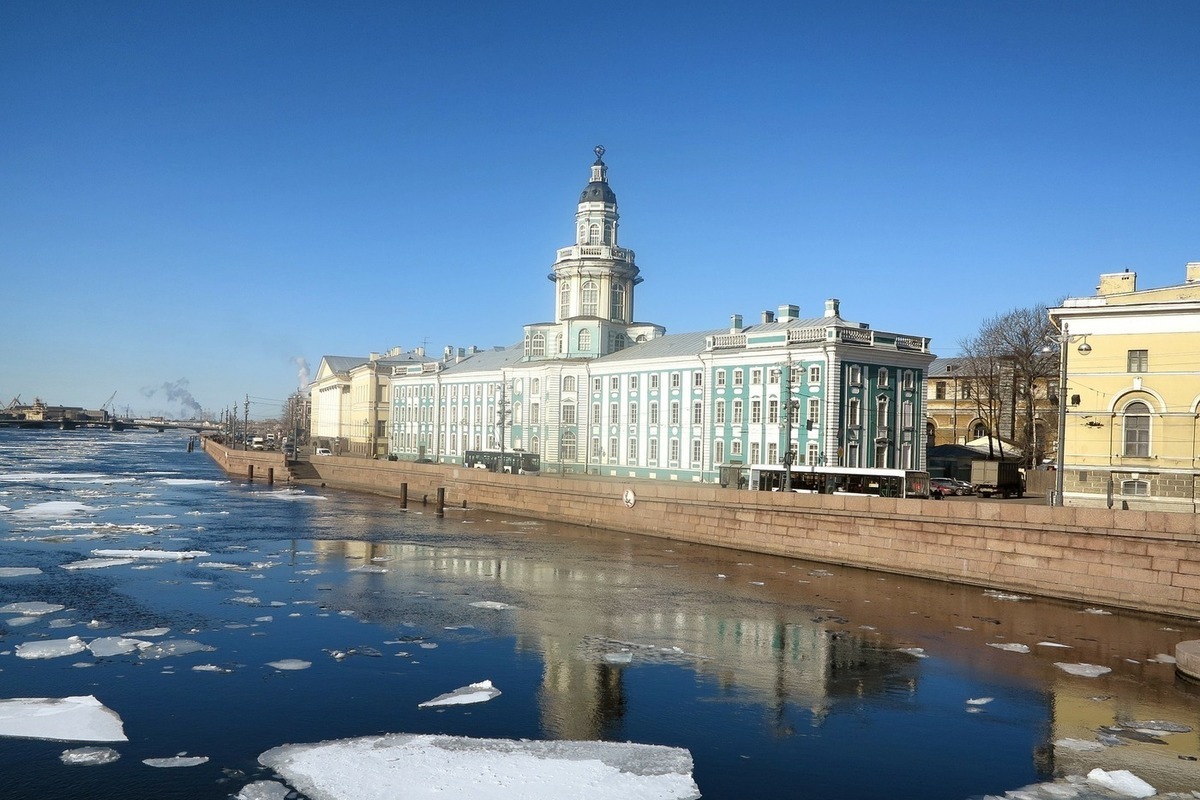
x: 1142, y: 560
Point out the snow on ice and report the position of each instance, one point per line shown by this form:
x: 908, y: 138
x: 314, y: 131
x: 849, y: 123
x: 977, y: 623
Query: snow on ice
x: 89, y: 756
x: 114, y: 646
x: 66, y: 719
x: 1082, y: 670
x: 290, y: 664
x: 176, y: 761
x: 494, y: 605
x: 159, y: 555
x: 1011, y: 647
x: 98, y: 563
x: 475, y: 693
x: 17, y: 572
x: 371, y: 768
x: 34, y: 608
x: 1121, y: 781
x: 53, y: 509
x: 51, y: 648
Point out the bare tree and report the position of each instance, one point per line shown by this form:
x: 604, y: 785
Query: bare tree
x: 1008, y: 369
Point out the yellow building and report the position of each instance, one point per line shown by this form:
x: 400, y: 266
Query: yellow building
x: 1132, y: 423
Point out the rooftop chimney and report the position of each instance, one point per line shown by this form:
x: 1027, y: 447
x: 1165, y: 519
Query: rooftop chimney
x: 833, y: 307
x: 448, y: 353
x: 768, y: 316
x: 789, y: 312
x: 1193, y: 272
x: 1117, y: 283
x: 735, y: 323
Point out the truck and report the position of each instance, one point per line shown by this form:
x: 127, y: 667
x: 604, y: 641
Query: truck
x: 997, y: 477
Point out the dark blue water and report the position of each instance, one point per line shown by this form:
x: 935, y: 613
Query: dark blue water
x: 782, y: 678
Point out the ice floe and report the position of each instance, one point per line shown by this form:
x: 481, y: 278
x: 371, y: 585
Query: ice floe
x: 918, y: 652
x: 1011, y: 647
x: 1080, y: 745
x: 495, y: 605
x: 263, y: 790
x: 980, y: 701
x: 53, y: 509
x: 158, y: 555
x: 998, y: 595
x: 474, y: 693
x: 176, y: 761
x: 190, y: 482
x: 65, y: 719
x: 1083, y: 670
x: 368, y: 568
x: 149, y: 632
x: 1121, y: 781
x: 451, y: 766
x: 89, y: 756
x: 106, y: 646
x: 98, y: 563
x: 51, y: 648
x: 17, y: 572
x: 290, y: 664
x: 173, y: 647
x: 34, y: 608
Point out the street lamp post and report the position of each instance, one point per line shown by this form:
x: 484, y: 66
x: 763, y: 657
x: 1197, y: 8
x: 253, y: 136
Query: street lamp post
x: 1063, y: 339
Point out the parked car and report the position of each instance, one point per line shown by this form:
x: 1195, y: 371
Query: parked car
x: 966, y: 487
x: 945, y: 486
x: 322, y: 451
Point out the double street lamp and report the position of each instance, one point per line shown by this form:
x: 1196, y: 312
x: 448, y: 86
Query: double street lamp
x: 1062, y: 340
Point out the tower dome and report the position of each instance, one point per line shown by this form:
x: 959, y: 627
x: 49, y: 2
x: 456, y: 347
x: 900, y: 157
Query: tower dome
x: 598, y: 190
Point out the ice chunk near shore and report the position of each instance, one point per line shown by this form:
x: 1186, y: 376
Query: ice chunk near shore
x: 1121, y: 781
x: 1012, y: 647
x: 1082, y: 670
x: 17, y: 572
x: 494, y: 605
x: 475, y: 693
x: 263, y: 790
x: 51, y: 648
x: 66, y: 719
x: 451, y: 766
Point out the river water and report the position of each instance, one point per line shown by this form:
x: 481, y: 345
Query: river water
x: 782, y: 678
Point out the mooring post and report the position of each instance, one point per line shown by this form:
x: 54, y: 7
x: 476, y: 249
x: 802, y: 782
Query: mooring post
x: 270, y: 475
x: 441, y: 502
x: 250, y: 472
x: 404, y: 495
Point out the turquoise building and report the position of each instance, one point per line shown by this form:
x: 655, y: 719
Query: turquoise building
x: 593, y: 390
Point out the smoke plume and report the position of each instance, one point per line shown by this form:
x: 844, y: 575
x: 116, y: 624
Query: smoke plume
x: 302, y: 376
x: 177, y: 392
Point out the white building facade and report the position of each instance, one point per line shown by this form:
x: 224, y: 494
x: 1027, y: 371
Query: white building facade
x: 596, y: 391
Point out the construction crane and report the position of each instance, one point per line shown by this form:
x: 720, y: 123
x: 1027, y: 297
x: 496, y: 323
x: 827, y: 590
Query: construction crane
x: 108, y: 402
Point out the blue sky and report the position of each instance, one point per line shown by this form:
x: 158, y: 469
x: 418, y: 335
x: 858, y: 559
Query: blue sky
x: 210, y: 192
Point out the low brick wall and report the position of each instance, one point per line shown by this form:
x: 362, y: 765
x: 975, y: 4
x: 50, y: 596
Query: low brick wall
x: 1133, y: 559
x: 257, y: 465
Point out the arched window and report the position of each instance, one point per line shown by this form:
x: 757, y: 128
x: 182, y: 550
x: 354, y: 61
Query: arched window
x: 1137, y: 429
x: 594, y: 234
x: 618, y: 302
x: 585, y: 341
x: 853, y: 415
x: 539, y: 345
x: 564, y: 301
x: 535, y: 444
x: 906, y: 413
x: 979, y: 430
x: 737, y: 412
x: 930, y: 434
x: 568, y: 383
x: 582, y: 234
x: 590, y: 299
x: 567, y: 448
x: 855, y: 376
x: 619, y: 344
x: 608, y: 233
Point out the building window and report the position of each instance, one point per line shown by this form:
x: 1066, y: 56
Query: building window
x: 855, y: 378
x: 755, y: 453
x: 539, y: 345
x: 674, y: 380
x: 1139, y: 361
x: 737, y: 412
x: 613, y: 413
x: 773, y: 378
x: 674, y: 419
x: 614, y: 383
x: 906, y: 413
x: 535, y: 413
x: 653, y: 412
x: 597, y: 384
x: 652, y: 451
x: 654, y: 381
x: 755, y: 377
x: 696, y: 452
x: 612, y: 450
x: 558, y: 343
x: 939, y: 390
x: 719, y: 413
x: 568, y: 414
x: 721, y: 378
x: 773, y: 413
x: 738, y: 377
x: 883, y: 377
x: 591, y: 299
x: 568, y: 446
x: 814, y: 412
x: 909, y: 380
x: 1137, y: 430
x: 697, y: 379
x: 697, y: 413
x: 755, y: 412
x: 564, y: 301
x: 620, y: 342
x: 813, y: 454
x: 719, y: 451
x: 596, y: 413
x: 735, y: 447
x: 882, y: 414
x: 535, y: 385
x: 814, y: 374
x: 632, y: 455
x: 594, y: 234
x: 673, y: 453
x: 853, y: 416
x: 633, y: 414
x: 618, y: 302
x: 633, y: 383
x: 569, y: 383
x: 535, y: 444
x: 1135, y: 488
x: 772, y: 453
x: 585, y: 341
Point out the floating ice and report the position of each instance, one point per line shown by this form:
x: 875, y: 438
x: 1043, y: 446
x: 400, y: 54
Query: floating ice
x: 174, y: 647
x: 1011, y: 647
x: 34, y: 608
x: 114, y: 646
x: 998, y: 595
x: 367, y: 568
x: 54, y: 509
x: 451, y: 766
x: 17, y: 622
x: 158, y: 555
x: 625, y: 657
x: 221, y: 565
x: 51, y: 648
x: 475, y: 693
x: 290, y: 664
x: 190, y: 482
x: 1097, y: 611
x: 495, y: 605
x: 80, y: 719
x: 919, y: 652
x: 89, y: 756
x: 1054, y: 644
x: 263, y: 790
x: 149, y: 632
x: 175, y: 761
x: 17, y: 572
x: 1082, y: 745
x: 1121, y: 781
x: 210, y: 668
x: 1082, y: 670
x: 980, y: 701
x: 1163, y: 658
x: 98, y: 563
